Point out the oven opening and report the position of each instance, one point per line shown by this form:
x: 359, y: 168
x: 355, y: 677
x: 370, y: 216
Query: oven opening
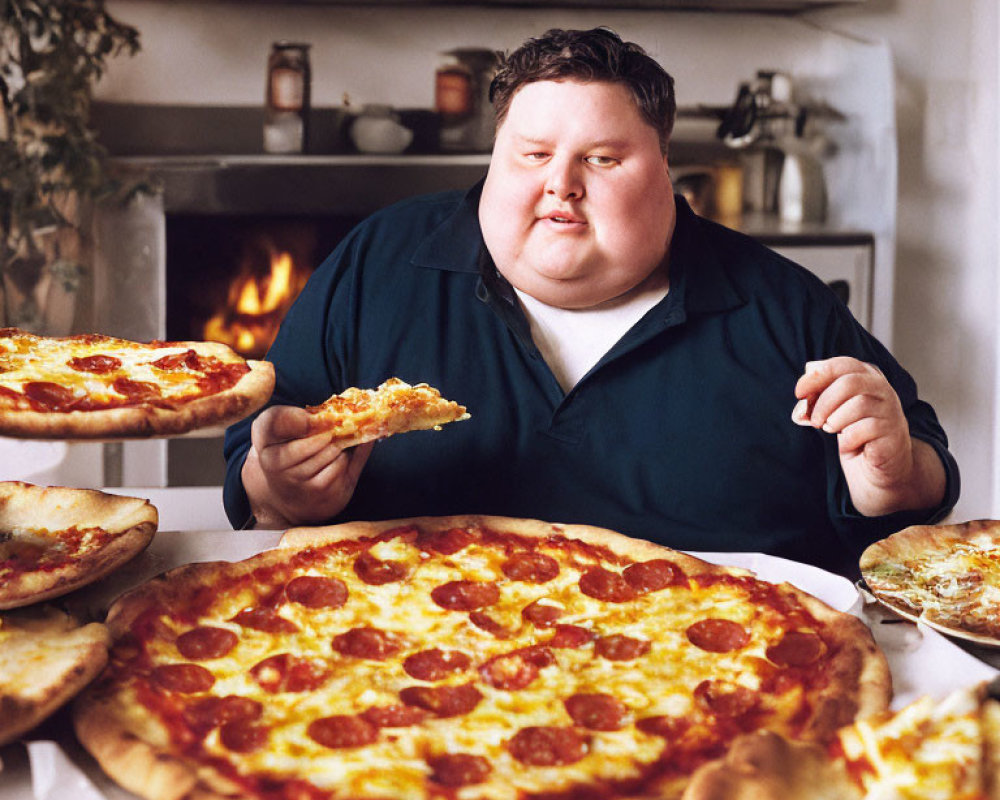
x: 232, y: 279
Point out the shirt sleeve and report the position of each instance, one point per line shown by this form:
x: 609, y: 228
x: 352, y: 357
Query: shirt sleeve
x: 849, y: 338
x: 307, y: 370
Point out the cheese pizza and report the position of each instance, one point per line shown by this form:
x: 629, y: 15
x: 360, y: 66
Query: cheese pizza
x: 463, y: 657
x: 947, y: 576
x: 946, y: 749
x: 55, y: 539
x: 356, y: 416
x: 92, y: 386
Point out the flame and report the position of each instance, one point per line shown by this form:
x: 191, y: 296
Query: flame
x: 256, y: 306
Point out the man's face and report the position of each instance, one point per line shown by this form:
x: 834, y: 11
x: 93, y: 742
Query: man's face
x: 578, y: 206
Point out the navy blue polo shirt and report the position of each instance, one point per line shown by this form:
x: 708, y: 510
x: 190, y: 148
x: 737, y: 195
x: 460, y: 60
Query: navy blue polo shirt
x: 681, y: 434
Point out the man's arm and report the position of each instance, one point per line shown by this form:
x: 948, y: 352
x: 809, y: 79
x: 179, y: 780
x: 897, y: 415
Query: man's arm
x: 886, y: 469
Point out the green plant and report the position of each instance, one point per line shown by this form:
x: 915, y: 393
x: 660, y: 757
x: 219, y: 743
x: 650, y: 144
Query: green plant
x: 51, y: 164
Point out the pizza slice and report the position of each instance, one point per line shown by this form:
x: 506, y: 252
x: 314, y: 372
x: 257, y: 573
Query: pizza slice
x: 929, y: 750
x: 356, y: 415
x: 46, y: 658
x: 55, y: 539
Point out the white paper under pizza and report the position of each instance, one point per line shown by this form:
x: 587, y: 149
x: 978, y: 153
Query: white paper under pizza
x: 922, y: 661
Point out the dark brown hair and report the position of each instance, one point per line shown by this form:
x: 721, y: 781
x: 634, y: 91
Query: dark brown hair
x: 597, y: 55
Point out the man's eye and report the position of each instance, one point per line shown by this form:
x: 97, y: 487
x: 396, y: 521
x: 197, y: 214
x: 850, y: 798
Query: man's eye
x: 538, y: 156
x: 601, y: 161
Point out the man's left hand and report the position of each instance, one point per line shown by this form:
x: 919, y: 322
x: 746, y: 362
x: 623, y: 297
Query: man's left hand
x: 886, y: 469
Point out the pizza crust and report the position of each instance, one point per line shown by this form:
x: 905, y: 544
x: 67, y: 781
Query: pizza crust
x: 39, y: 512
x: 767, y: 766
x: 45, y: 659
x: 143, y: 421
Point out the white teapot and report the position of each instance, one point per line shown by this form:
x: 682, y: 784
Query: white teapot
x: 377, y: 129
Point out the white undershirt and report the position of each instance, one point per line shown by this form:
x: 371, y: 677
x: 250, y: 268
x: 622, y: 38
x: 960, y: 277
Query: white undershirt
x: 572, y: 340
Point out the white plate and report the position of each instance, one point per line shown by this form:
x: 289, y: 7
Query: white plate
x: 955, y: 633
x: 834, y: 590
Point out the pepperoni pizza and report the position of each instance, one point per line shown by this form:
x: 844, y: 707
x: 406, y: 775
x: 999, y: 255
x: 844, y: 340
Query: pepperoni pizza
x: 462, y: 657
x: 92, y: 386
x: 356, y: 416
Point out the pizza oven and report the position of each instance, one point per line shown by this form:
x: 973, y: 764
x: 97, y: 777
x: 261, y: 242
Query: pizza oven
x: 221, y: 252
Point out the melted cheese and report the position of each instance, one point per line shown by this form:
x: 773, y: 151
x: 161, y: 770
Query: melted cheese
x: 661, y: 682
x: 926, y: 751
x: 958, y: 587
x: 25, y: 358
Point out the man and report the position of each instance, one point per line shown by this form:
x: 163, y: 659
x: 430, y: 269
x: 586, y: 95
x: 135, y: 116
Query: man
x: 626, y: 363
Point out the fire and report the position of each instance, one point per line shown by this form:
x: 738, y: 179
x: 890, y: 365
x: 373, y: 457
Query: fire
x: 256, y: 306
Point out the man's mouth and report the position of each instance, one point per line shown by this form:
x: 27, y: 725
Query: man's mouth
x: 563, y: 219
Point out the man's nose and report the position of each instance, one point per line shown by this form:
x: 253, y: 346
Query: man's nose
x: 564, y: 180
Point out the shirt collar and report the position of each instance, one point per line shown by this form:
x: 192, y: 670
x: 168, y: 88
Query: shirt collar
x: 698, y: 276
x: 455, y: 244
x: 698, y: 266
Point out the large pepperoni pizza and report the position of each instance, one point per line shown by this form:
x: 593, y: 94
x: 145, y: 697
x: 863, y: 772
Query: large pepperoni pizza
x: 462, y: 657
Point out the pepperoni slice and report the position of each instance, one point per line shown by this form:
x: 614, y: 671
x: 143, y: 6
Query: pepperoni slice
x: 652, y: 576
x: 395, y: 716
x: 210, y: 712
x: 570, y: 636
x: 266, y: 619
x: 183, y: 678
x: 376, y: 572
x: 485, y: 622
x: 285, y: 672
x: 240, y: 737
x: 540, y: 614
x: 465, y: 595
x: 137, y: 391
x: 199, y: 644
x: 598, y: 712
x: 509, y: 671
x: 603, y: 584
x: 447, y: 543
x: 98, y: 364
x: 316, y: 591
x: 435, y: 664
x: 667, y: 727
x: 619, y: 647
x: 370, y: 643
x: 342, y: 731
x: 49, y: 396
x: 443, y: 701
x: 718, y: 635
x: 796, y: 649
x: 548, y: 746
x: 189, y: 359
x: 458, y: 769
x: 725, y: 699
x: 530, y: 567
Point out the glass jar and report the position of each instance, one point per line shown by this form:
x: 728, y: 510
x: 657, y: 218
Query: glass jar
x: 286, y: 111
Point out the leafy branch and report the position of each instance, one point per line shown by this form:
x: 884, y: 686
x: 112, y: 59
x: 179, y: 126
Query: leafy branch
x: 52, y: 52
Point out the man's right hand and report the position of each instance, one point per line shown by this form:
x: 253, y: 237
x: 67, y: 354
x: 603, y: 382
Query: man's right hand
x: 292, y: 478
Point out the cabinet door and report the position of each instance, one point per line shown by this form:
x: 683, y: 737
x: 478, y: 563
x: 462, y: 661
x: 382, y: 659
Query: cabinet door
x: 846, y: 268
